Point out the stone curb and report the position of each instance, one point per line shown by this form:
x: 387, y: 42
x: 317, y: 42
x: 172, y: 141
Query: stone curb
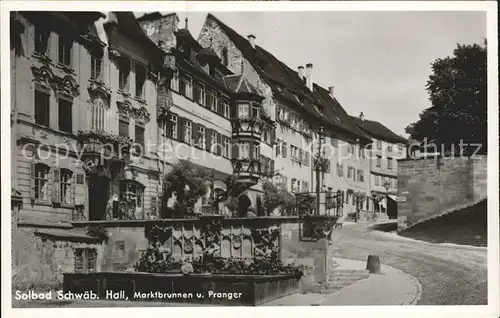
x: 414, y: 297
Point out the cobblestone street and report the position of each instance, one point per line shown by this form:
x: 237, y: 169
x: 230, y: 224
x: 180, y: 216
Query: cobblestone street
x: 449, y: 275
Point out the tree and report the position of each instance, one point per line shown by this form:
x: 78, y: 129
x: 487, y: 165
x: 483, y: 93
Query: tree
x: 457, y: 90
x: 275, y: 197
x: 187, y: 182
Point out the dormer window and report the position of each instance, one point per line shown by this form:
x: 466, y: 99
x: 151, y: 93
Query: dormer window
x: 225, y: 59
x: 65, y: 50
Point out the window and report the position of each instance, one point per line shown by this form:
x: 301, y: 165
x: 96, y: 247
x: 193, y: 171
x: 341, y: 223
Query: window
x: 201, y: 137
x: 96, y: 63
x: 256, y: 151
x: 174, y: 81
x: 98, y: 115
x: 65, y: 46
x: 378, y: 163
x: 227, y: 148
x: 85, y: 260
x: 255, y: 112
x: 41, y: 39
x: 124, y: 72
x: 173, y: 126
x: 278, y: 148
x: 389, y: 148
x: 41, y: 181
x: 225, y: 103
x: 201, y: 94
x: 379, y: 144
x: 377, y: 180
x: 400, y: 148
x: 244, y: 150
x: 188, y: 86
x: 42, y: 107
x: 123, y: 127
x: 65, y: 184
x: 187, y: 131
x: 350, y: 148
x: 293, y: 152
x: 243, y: 111
x: 140, y: 79
x: 305, y: 186
x: 360, y: 152
x: 294, y: 184
x: 139, y: 138
x: 214, y: 141
x: 340, y: 170
x: 284, y: 148
x: 350, y: 172
x: 225, y: 59
x: 389, y: 163
x: 65, y: 115
x: 133, y: 193
x: 361, y: 176
x: 334, y: 142
x: 212, y: 101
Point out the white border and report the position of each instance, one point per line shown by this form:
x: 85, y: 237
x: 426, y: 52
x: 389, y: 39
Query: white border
x: 492, y: 310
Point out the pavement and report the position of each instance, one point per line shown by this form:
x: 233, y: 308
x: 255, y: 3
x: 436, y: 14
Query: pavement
x: 391, y: 287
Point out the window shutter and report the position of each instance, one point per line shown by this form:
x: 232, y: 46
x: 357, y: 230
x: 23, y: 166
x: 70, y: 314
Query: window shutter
x: 272, y: 167
x: 33, y: 175
x: 219, y: 106
x: 285, y: 150
x: 180, y: 128
x: 196, y: 88
x: 300, y: 156
x: 208, y: 139
x: 182, y: 84
x: 195, y: 134
x: 79, y: 189
x: 218, y: 151
x: 56, y: 185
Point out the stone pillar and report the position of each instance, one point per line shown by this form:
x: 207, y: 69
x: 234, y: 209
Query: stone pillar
x: 16, y: 202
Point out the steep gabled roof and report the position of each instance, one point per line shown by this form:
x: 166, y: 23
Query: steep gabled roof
x: 126, y: 23
x: 239, y: 84
x: 287, y: 85
x: 377, y: 130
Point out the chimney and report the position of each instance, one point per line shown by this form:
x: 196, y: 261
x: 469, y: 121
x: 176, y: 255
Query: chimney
x: 361, y: 116
x: 301, y: 72
x: 251, y: 39
x: 309, y: 81
x: 330, y: 89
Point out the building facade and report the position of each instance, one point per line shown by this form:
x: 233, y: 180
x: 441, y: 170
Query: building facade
x: 299, y: 108
x: 386, y: 149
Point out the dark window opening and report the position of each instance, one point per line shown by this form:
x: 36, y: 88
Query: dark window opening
x: 42, y: 108
x: 41, y: 39
x: 65, y: 115
x: 65, y: 49
x: 96, y: 63
x: 140, y: 78
x: 123, y: 127
x: 124, y: 72
x: 139, y: 139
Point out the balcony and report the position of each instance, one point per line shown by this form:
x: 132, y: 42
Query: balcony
x: 247, y: 170
x: 99, y: 147
x: 248, y: 128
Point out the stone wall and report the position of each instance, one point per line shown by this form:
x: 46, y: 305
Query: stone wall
x: 432, y: 187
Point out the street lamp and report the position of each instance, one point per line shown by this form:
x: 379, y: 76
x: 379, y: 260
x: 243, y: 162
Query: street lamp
x: 387, y: 185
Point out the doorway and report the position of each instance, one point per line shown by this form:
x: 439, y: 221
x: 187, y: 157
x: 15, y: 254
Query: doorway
x: 98, y: 197
x: 243, y: 204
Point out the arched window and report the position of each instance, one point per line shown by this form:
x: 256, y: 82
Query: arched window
x: 132, y: 192
x: 41, y: 181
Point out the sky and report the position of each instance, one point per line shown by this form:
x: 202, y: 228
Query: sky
x: 378, y: 62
